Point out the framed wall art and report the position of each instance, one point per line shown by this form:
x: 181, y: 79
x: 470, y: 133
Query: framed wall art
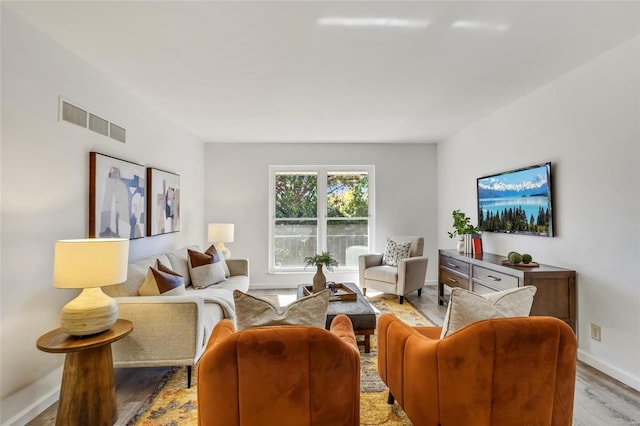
x: 116, y: 198
x: 163, y: 202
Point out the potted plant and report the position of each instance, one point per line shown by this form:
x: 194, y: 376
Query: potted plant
x: 320, y: 260
x: 462, y: 227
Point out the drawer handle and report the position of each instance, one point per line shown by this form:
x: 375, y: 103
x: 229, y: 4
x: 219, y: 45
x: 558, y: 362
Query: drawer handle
x: 453, y: 265
x: 453, y: 280
x: 491, y: 277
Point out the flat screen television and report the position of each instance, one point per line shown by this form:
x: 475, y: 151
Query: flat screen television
x: 517, y: 201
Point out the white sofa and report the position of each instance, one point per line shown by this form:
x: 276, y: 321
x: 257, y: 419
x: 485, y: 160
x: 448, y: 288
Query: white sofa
x: 172, y: 330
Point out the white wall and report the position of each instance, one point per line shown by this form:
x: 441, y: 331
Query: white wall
x: 237, y: 191
x: 588, y: 124
x: 45, y: 174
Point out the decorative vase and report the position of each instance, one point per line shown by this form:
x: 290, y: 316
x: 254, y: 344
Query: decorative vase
x: 467, y: 243
x: 461, y: 244
x: 319, y: 280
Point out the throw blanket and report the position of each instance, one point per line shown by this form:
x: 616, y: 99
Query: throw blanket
x: 222, y: 297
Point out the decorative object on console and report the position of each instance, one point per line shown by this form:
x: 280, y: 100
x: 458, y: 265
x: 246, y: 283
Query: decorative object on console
x: 516, y: 259
x: 256, y: 312
x: 517, y: 201
x: 463, y: 229
x: 116, y: 198
x: 221, y: 233
x: 466, y: 307
x: 163, y: 202
x: 89, y: 264
x: 320, y: 260
x: 476, y: 244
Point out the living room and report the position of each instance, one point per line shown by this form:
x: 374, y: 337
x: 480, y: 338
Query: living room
x: 584, y: 119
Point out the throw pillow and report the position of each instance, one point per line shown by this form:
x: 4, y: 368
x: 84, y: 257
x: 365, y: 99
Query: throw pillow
x: 227, y: 273
x: 255, y: 312
x: 162, y: 281
x: 205, y: 268
x: 466, y: 307
x: 164, y: 268
x: 394, y: 251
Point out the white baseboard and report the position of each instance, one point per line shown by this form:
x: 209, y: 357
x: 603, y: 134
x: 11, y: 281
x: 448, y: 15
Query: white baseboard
x: 610, y: 370
x: 25, y: 405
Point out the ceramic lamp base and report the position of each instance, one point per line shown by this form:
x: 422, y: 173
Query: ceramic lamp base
x: 225, y: 251
x: 91, y: 312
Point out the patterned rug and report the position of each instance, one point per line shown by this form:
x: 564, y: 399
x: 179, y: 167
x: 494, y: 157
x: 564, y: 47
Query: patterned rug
x: 172, y: 404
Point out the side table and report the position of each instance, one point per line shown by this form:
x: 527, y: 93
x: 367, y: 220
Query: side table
x: 88, y: 391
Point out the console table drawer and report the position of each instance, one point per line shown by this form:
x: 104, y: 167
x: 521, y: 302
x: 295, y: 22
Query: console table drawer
x: 480, y: 288
x: 455, y: 265
x: 495, y: 279
x: 453, y: 280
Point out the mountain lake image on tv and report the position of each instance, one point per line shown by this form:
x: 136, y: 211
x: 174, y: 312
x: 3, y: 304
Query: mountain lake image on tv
x: 517, y: 201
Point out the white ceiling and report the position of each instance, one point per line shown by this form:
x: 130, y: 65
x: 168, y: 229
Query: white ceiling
x: 333, y: 71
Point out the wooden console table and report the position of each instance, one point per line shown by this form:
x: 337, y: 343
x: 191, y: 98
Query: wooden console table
x: 88, y: 392
x: 555, y: 297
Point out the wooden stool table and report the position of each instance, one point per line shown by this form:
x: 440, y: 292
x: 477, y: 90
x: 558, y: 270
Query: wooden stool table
x: 88, y: 392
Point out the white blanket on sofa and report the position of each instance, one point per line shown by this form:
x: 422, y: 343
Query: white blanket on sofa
x: 222, y: 297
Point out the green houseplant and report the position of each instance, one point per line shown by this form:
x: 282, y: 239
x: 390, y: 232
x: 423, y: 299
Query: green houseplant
x: 320, y: 260
x: 462, y: 227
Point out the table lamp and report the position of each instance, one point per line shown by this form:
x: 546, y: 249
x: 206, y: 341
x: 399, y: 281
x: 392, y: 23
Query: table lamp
x: 221, y: 233
x: 89, y: 264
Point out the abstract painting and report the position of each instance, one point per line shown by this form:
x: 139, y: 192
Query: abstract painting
x: 163, y: 202
x: 116, y: 198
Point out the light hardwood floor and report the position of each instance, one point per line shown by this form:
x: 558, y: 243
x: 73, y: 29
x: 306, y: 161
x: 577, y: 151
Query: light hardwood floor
x: 599, y: 399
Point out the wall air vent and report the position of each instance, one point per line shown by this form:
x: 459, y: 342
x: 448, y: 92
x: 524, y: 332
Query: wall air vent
x: 98, y: 125
x: 118, y: 133
x: 73, y: 114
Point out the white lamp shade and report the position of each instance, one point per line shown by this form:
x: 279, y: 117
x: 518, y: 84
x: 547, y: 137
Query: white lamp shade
x: 91, y: 262
x: 221, y: 232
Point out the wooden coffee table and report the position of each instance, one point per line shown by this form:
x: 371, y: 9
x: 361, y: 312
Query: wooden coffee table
x: 359, y: 311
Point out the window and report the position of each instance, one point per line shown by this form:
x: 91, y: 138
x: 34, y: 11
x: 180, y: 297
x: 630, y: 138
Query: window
x: 314, y: 209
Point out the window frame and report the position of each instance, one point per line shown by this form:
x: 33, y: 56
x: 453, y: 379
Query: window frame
x: 322, y: 172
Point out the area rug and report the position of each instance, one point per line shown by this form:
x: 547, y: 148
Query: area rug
x: 172, y: 404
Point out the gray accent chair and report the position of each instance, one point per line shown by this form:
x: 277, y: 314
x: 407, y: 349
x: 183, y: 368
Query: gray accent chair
x: 407, y: 277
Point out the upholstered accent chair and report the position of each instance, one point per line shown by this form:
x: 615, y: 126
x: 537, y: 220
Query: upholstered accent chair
x: 406, y: 277
x: 280, y: 375
x: 506, y: 371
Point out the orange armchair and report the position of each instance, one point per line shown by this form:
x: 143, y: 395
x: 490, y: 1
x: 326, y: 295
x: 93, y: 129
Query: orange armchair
x: 508, y: 371
x: 280, y: 375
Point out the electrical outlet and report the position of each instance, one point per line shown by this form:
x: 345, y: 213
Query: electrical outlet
x: 596, y: 332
